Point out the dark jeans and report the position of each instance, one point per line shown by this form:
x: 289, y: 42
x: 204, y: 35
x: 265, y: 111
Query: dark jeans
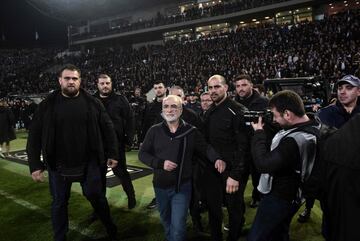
x: 92, y: 190
x: 173, y: 207
x: 272, y: 219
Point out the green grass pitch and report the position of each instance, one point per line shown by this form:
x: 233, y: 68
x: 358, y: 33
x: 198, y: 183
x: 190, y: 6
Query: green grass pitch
x: 25, y: 209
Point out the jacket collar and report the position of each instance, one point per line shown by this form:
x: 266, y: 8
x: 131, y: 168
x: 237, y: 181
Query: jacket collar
x: 183, y: 129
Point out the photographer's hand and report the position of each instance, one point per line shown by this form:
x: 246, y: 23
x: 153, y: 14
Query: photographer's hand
x: 259, y: 125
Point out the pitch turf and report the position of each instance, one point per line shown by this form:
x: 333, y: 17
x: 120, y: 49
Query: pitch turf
x: 25, y: 209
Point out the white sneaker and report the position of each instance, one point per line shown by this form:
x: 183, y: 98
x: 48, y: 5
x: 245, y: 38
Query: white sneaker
x: 2, y: 155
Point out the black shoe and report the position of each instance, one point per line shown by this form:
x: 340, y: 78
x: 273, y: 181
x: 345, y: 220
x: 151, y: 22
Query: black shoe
x: 131, y: 202
x: 254, y: 203
x: 112, y: 233
x: 115, y: 238
x: 304, y: 216
x: 152, y: 204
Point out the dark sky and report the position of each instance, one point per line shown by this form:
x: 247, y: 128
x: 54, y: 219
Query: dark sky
x: 19, y: 21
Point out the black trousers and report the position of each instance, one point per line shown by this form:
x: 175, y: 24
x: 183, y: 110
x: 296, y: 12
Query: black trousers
x: 196, y: 194
x: 121, y: 172
x: 215, y: 196
x: 255, y: 177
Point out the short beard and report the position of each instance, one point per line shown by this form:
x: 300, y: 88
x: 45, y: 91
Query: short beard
x: 244, y: 96
x: 170, y: 118
x: 160, y: 96
x: 105, y: 94
x: 70, y: 93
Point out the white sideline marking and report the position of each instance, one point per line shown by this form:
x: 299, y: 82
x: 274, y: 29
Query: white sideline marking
x: 72, y: 226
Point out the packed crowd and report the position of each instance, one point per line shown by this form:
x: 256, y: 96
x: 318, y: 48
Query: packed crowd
x: 225, y: 7
x: 327, y: 48
x: 22, y: 70
x: 195, y: 12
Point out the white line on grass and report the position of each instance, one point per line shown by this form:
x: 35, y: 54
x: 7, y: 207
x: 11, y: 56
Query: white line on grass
x: 72, y: 226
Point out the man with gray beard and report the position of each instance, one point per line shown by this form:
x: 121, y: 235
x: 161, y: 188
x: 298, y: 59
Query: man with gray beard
x: 168, y: 148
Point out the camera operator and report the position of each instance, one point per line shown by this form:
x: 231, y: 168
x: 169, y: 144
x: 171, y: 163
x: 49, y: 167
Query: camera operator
x: 251, y: 99
x: 280, y: 179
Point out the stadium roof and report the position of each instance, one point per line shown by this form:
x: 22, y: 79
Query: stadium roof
x: 76, y: 10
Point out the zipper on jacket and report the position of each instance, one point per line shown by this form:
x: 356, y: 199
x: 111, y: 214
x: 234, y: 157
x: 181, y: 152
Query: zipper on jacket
x: 181, y: 165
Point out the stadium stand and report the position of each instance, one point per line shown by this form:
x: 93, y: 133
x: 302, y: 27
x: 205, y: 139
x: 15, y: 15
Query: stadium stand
x: 196, y: 11
x: 327, y: 48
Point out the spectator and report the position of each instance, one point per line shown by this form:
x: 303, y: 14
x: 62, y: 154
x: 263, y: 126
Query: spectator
x: 193, y: 103
x: 7, y: 132
x: 347, y: 104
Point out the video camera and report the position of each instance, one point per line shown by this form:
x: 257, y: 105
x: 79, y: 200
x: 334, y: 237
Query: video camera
x: 253, y: 116
x: 314, y: 91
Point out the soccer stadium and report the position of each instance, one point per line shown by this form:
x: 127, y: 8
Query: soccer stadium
x: 153, y: 120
